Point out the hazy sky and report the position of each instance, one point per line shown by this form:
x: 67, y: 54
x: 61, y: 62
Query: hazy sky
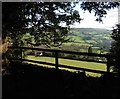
x: 89, y: 19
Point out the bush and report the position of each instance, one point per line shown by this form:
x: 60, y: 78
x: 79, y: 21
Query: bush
x: 115, y: 49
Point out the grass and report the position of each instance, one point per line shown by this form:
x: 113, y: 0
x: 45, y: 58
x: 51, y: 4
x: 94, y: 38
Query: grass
x: 79, y: 44
x: 31, y: 81
x: 82, y: 64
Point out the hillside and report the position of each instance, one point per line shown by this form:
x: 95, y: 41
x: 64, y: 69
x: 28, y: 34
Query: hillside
x: 97, y: 38
x: 87, y: 30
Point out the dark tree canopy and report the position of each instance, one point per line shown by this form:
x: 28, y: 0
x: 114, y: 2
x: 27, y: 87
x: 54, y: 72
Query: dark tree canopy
x: 99, y: 8
x: 115, y: 49
x: 43, y: 19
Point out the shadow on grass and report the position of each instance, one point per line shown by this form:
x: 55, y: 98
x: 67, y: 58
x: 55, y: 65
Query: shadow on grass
x: 32, y: 81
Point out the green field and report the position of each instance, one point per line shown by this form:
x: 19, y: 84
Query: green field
x: 82, y: 64
x: 91, y: 37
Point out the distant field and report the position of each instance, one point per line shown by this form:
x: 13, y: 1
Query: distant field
x: 91, y: 37
x: 82, y: 64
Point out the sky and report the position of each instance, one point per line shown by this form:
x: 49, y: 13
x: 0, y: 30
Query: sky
x: 89, y: 20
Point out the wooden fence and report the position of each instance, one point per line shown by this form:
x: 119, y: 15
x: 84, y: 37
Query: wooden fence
x: 108, y: 57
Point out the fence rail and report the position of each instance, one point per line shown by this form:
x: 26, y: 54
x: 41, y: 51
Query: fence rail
x: 57, y: 65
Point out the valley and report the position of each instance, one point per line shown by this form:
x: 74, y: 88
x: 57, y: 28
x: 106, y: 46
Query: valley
x: 98, y: 39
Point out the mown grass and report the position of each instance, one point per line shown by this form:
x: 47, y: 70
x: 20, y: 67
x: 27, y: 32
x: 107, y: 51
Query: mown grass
x: 75, y: 63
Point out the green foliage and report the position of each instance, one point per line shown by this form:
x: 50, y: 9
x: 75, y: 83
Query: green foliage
x: 99, y: 8
x: 43, y: 19
x: 115, y: 49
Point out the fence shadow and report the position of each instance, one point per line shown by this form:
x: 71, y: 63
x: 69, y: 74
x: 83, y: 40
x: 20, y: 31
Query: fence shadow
x: 32, y: 81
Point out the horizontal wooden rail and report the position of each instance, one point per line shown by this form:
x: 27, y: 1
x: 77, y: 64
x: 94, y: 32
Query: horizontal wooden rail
x: 56, y: 64
x: 62, y: 66
x: 40, y: 62
x: 104, y: 62
x: 64, y: 51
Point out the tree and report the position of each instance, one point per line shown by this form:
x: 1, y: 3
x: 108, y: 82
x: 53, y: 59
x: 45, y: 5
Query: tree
x: 99, y: 8
x: 90, y: 49
x: 115, y: 48
x: 43, y: 19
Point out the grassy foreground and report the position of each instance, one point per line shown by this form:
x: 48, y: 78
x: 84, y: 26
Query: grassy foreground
x: 28, y: 81
x: 68, y: 62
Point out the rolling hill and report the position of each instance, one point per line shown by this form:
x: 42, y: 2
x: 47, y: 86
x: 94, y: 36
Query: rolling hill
x: 97, y: 38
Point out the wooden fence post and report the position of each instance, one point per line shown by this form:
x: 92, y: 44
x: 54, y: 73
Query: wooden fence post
x: 56, y: 59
